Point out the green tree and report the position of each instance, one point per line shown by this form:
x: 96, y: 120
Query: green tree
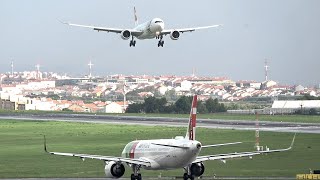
x: 214, y: 106
x: 201, y: 107
x: 183, y: 104
x: 154, y: 105
x: 135, y: 108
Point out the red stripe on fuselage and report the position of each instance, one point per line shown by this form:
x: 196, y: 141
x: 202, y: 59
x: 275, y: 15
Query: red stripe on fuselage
x: 133, y: 148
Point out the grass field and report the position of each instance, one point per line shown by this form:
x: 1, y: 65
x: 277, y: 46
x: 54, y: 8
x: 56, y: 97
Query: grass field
x: 22, y: 155
x: 277, y: 118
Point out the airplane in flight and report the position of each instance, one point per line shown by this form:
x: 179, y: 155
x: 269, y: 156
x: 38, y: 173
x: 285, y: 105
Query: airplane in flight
x: 165, y: 154
x: 148, y: 30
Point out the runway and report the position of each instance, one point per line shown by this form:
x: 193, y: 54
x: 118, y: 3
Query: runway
x: 160, y: 121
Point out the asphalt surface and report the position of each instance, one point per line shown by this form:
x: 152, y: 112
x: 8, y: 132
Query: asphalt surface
x: 154, y: 121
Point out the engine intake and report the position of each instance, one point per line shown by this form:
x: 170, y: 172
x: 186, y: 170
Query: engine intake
x: 174, y: 35
x: 114, y: 169
x: 197, y: 169
x: 125, y: 35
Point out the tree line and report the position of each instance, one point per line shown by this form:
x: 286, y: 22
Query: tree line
x: 181, y: 106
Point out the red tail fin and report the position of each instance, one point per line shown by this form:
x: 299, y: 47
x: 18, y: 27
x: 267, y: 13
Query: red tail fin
x: 191, y: 134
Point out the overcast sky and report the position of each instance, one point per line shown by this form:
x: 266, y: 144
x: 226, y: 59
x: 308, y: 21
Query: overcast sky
x: 286, y: 33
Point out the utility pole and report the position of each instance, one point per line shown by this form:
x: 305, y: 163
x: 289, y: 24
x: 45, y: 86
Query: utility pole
x: 12, y: 68
x: 257, y: 145
x: 124, y: 96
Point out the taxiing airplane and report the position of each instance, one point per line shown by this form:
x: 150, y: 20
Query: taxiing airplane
x: 148, y: 30
x: 164, y: 154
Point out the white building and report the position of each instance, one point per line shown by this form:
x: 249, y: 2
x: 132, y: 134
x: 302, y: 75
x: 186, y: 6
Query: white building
x: 113, y: 108
x: 292, y: 106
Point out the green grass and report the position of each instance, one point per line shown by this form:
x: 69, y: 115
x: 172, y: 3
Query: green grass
x: 22, y: 155
x: 275, y: 118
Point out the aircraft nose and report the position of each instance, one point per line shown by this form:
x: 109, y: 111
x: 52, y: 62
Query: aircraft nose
x: 161, y: 27
x: 198, y: 145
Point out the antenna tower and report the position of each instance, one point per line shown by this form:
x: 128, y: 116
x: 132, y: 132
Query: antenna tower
x: 90, y: 69
x: 38, y: 71
x: 266, y: 69
x: 12, y: 68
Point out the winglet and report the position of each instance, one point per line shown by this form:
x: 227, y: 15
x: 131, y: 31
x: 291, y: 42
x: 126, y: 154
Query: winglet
x: 63, y: 22
x: 45, y: 143
x: 294, y: 137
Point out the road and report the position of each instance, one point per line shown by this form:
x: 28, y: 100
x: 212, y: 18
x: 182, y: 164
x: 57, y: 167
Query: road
x: 154, y: 121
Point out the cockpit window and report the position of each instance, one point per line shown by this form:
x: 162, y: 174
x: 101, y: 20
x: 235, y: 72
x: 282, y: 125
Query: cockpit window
x: 158, y: 22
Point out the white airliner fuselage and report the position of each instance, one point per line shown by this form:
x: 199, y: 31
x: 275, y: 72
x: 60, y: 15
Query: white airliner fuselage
x: 151, y: 29
x: 164, y: 157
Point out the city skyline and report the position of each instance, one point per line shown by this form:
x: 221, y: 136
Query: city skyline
x: 89, y: 72
x: 285, y: 33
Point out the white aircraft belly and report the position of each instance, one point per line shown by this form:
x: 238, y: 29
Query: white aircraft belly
x: 146, y: 35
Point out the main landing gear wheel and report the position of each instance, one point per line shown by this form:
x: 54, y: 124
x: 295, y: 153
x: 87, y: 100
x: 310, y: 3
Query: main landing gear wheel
x: 160, y: 43
x: 186, y: 176
x: 133, y: 43
x: 138, y: 177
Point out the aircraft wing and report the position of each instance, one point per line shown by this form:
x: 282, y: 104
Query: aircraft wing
x: 224, y: 157
x: 106, y: 29
x: 141, y: 162
x: 168, y: 31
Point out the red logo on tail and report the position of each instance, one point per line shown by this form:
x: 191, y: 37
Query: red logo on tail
x: 193, y: 118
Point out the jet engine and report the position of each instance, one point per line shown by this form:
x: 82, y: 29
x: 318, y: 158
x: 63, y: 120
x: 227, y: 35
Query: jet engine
x: 114, y: 169
x: 174, y: 35
x: 197, y: 169
x: 125, y: 35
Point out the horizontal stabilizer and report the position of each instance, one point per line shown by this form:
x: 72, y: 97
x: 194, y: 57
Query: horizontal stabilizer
x: 224, y: 144
x: 167, y: 145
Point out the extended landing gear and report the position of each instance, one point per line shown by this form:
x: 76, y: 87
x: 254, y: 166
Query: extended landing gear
x: 186, y: 176
x: 161, y: 42
x: 136, y: 175
x: 132, y: 43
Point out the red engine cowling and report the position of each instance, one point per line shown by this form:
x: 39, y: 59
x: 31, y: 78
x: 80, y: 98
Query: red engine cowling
x: 197, y: 169
x: 174, y: 35
x: 125, y: 35
x: 114, y: 169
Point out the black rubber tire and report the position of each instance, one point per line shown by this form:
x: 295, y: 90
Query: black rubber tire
x: 185, y: 176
